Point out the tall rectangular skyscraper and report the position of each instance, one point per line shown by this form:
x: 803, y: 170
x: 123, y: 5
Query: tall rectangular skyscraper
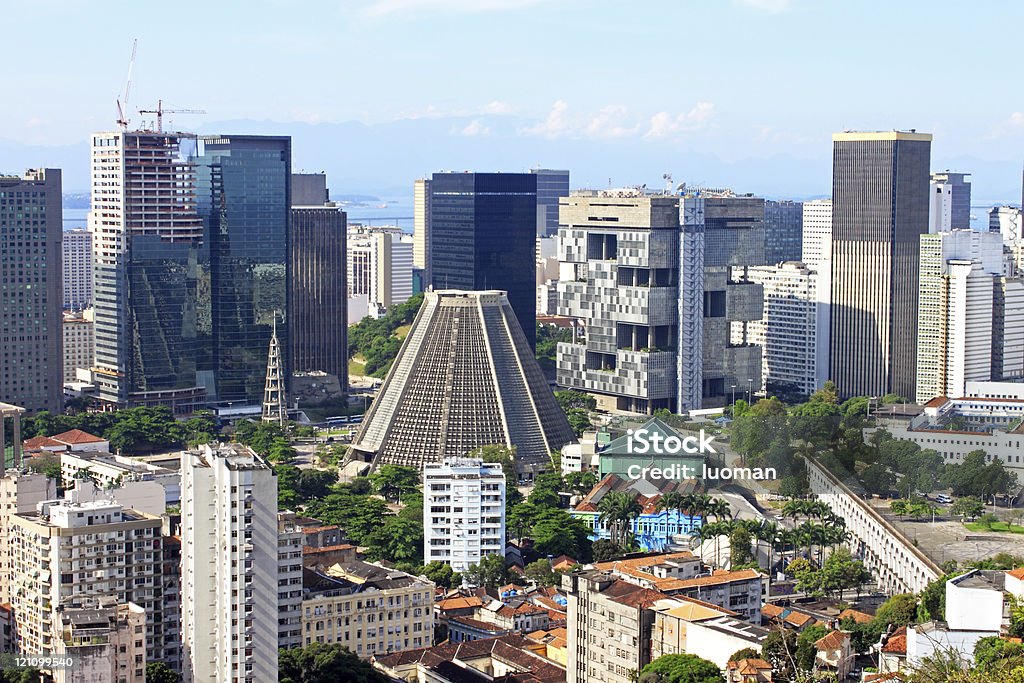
x: 949, y: 202
x: 552, y: 185
x: 421, y: 224
x: 783, y: 231
x: 77, y: 265
x: 31, y: 317
x: 880, y: 210
x: 483, y: 236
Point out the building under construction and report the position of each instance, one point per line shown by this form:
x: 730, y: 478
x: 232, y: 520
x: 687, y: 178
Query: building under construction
x: 465, y: 377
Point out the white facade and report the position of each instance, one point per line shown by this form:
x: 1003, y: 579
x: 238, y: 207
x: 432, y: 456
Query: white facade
x: 898, y: 566
x: 20, y: 492
x: 104, y: 642
x: 421, y: 223
x: 78, y: 345
x: 817, y: 239
x: 380, y: 262
x: 1006, y: 220
x: 463, y: 511
x: 718, y: 639
x: 959, y: 311
x: 290, y: 538
x: 229, y: 566
x: 77, y: 267
x: 940, y: 206
x: 794, y: 329
x: 974, y: 610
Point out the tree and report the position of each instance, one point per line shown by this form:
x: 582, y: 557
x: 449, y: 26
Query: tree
x: 19, y: 676
x: 969, y: 507
x: 739, y: 547
x: 321, y: 663
x: 877, y: 478
x: 545, y: 490
x: 681, y: 669
x: 618, y: 509
x: 316, y: 483
x: 996, y: 655
x: 745, y: 653
x: 581, y: 482
x: 393, y: 481
x: 899, y: 610
x: 779, y: 650
x: 577, y: 406
x: 521, y: 518
x: 441, y: 574
x: 541, y: 573
x: 556, y: 532
x: 604, y: 550
x: 805, y: 650
x: 158, y: 672
x: 489, y: 572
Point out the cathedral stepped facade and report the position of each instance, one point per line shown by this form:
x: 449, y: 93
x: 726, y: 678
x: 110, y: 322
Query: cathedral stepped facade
x: 465, y: 377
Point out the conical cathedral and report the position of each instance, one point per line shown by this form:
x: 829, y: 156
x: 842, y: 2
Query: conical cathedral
x: 465, y: 377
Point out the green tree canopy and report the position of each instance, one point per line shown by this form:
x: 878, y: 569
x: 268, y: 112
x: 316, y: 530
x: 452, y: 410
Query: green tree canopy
x: 321, y: 663
x: 681, y: 669
x: 158, y: 672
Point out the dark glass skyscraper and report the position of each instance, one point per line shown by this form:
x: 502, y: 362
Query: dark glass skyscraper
x: 483, y: 236
x: 244, y: 198
x: 879, y: 211
x: 551, y: 186
x: 783, y: 231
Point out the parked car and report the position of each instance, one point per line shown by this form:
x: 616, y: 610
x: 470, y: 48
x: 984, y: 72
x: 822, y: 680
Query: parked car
x: 943, y: 498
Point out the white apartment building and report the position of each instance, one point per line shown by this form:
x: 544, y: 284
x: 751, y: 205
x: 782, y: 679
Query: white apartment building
x: 964, y: 304
x: 290, y: 539
x: 106, y: 640
x: 20, y: 492
x: 109, y: 471
x: 974, y: 610
x: 70, y: 553
x: 816, y: 250
x: 794, y: 330
x: 380, y: 262
x: 229, y: 566
x: 78, y: 343
x: 77, y: 267
x: 421, y: 224
x: 463, y: 511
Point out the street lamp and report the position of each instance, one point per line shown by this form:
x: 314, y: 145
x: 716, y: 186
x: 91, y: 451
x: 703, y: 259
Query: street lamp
x: 750, y: 384
x: 733, y: 387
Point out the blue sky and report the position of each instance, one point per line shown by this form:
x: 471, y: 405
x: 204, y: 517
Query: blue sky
x: 594, y: 84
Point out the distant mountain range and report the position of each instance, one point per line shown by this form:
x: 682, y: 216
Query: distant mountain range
x: 382, y: 160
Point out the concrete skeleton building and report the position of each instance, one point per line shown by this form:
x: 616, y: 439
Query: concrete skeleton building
x: 463, y: 511
x: 970, y: 315
x: 106, y: 640
x: 76, y: 263
x: 880, y: 186
x: 229, y: 566
x: 30, y: 319
x: 465, y: 377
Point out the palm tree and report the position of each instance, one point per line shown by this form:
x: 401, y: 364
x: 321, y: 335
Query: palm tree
x: 618, y: 509
x: 670, y: 501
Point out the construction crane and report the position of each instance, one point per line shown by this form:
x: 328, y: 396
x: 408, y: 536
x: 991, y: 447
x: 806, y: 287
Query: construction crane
x: 122, y: 109
x: 160, y: 111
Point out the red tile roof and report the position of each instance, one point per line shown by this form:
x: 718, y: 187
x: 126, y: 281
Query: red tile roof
x: 40, y: 442
x: 77, y: 436
x: 897, y: 643
x: 1017, y: 573
x: 749, y: 666
x: 858, y: 617
x: 936, y: 402
x: 833, y: 641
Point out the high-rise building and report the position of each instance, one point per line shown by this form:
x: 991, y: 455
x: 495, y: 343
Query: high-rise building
x: 379, y: 266
x: 421, y: 225
x: 318, y: 303
x: 959, y: 274
x: 483, y: 233
x: 290, y: 538
x: 619, y: 254
x: 30, y: 319
x: 191, y: 253
x: 879, y: 211
x: 1006, y: 220
x: 817, y: 236
x: 733, y: 240
x: 463, y: 511
x: 783, y: 231
x: 552, y: 185
x: 1008, y: 329
x: 793, y: 334
x: 949, y: 202
x: 65, y: 553
x: 77, y: 266
x: 77, y: 330
x: 229, y: 566
x: 464, y: 378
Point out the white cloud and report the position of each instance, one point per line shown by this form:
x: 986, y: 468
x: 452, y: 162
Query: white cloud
x: 379, y: 8
x: 475, y: 129
x: 554, y: 126
x: 496, y: 107
x: 767, y: 6
x: 663, y: 124
x: 1010, y: 126
x: 611, y: 122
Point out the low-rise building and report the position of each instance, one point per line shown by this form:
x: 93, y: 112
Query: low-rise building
x: 833, y: 654
x: 718, y: 639
x: 556, y: 647
x: 750, y: 670
x: 369, y: 609
x: 107, y: 641
x: 672, y: 621
x: 974, y: 610
x: 892, y: 654
x: 109, y: 471
x: 510, y: 658
x: 787, y: 617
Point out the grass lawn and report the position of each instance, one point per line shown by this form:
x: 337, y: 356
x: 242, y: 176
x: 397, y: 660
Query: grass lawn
x: 402, y: 331
x: 1004, y: 527
x: 356, y: 366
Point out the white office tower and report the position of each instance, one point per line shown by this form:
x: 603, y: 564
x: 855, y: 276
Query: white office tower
x: 229, y: 566
x: 421, y: 225
x: 794, y: 329
x: 77, y: 267
x: 949, y: 202
x: 1008, y: 221
x: 380, y: 262
x: 817, y: 239
x: 463, y: 511
x: 965, y: 302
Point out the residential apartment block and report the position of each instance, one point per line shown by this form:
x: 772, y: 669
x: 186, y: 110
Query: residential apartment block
x: 463, y: 511
x: 77, y: 331
x: 77, y: 269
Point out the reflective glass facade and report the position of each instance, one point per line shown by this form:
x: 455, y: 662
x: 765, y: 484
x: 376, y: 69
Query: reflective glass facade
x: 483, y: 236
x: 243, y: 196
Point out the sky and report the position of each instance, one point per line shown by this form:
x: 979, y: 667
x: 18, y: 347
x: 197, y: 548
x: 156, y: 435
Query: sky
x: 377, y: 92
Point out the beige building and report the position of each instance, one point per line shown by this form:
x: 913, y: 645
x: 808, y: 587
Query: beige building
x: 65, y: 554
x: 78, y: 343
x: 369, y: 609
x: 107, y: 642
x: 19, y: 494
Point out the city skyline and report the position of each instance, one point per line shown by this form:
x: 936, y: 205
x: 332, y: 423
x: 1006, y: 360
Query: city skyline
x: 689, y: 109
